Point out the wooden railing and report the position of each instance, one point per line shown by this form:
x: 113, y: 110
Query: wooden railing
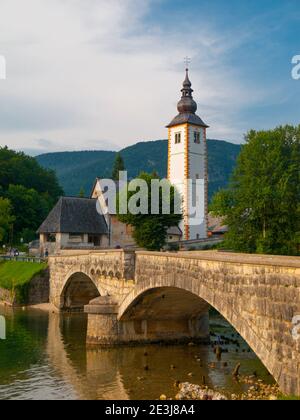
x: 22, y: 259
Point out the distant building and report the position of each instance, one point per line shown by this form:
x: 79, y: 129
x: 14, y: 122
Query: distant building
x: 73, y: 223
x: 216, y: 226
x: 87, y: 223
x: 119, y: 234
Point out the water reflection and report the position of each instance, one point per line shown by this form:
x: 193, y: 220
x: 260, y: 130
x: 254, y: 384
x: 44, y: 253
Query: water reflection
x: 45, y: 357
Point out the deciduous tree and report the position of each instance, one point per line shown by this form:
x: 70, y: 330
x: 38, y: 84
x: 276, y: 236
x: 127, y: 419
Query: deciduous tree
x: 262, y: 203
x: 6, y: 218
x: 150, y: 230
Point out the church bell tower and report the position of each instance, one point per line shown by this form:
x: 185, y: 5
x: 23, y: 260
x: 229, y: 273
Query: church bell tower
x: 187, y: 164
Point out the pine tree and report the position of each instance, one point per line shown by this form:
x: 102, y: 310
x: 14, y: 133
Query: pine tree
x: 81, y: 193
x: 118, y: 167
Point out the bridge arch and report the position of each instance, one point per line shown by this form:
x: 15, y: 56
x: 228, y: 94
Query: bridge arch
x: 79, y: 289
x: 259, y: 295
x: 168, y: 312
x: 144, y: 300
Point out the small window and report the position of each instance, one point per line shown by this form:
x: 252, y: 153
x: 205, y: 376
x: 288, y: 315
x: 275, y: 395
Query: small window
x: 196, y: 137
x: 177, y: 138
x: 197, y: 176
x: 51, y: 238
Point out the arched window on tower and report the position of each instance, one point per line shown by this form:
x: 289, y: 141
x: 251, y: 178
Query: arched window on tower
x: 177, y: 138
x: 197, y: 139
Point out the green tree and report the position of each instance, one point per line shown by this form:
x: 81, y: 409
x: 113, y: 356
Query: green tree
x: 150, y: 230
x: 31, y: 189
x: 262, y: 203
x: 29, y: 208
x: 221, y: 203
x: 119, y: 166
x: 6, y: 218
x: 19, y: 169
x: 81, y: 193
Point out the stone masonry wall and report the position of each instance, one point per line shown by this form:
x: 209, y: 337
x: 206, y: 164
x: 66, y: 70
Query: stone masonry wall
x: 259, y: 300
x: 112, y: 272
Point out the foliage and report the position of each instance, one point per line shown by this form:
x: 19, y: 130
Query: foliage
x: 222, y: 202
x: 19, y: 169
x: 142, y: 157
x: 118, y: 167
x: 29, y: 207
x: 15, y: 276
x: 262, y: 203
x: 282, y: 397
x: 6, y: 217
x: 31, y: 190
x: 150, y: 230
x: 81, y: 193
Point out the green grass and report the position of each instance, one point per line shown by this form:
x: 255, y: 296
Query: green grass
x: 288, y: 398
x: 15, y: 276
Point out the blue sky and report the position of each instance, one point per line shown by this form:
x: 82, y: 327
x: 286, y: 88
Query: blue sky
x: 110, y: 73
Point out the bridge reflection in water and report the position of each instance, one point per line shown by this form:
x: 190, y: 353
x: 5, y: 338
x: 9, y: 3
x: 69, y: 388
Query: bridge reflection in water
x: 119, y: 373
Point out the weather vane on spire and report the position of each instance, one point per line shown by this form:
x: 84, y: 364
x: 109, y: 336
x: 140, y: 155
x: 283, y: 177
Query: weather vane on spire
x: 187, y: 62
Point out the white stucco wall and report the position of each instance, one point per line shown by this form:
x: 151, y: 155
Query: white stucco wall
x: 197, y: 161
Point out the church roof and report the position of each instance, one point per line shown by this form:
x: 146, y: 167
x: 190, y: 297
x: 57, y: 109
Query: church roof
x: 187, y: 118
x: 174, y: 230
x: 75, y: 215
x: 187, y: 107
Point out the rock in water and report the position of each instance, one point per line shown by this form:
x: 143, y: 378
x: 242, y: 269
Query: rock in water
x: 236, y: 372
x: 195, y: 392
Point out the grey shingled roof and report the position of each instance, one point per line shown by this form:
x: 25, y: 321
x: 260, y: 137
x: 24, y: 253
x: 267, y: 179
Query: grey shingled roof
x: 75, y: 215
x: 187, y: 118
x: 175, y: 230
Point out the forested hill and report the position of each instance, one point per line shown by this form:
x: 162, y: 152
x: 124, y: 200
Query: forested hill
x: 27, y: 194
x: 77, y: 170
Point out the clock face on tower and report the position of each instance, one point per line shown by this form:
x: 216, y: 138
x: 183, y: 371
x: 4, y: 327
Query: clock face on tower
x: 187, y: 163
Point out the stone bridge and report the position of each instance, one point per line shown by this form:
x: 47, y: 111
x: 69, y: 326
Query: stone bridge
x: 150, y: 297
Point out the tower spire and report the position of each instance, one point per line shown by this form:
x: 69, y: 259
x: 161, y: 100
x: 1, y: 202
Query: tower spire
x: 187, y: 62
x: 187, y: 107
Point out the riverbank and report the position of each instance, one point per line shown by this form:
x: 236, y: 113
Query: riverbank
x: 23, y: 283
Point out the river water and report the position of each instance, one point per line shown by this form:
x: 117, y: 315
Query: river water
x: 44, y: 356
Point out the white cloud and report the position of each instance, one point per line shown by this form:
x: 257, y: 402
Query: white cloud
x: 93, y: 74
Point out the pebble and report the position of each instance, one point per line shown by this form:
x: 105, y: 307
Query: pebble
x: 195, y: 392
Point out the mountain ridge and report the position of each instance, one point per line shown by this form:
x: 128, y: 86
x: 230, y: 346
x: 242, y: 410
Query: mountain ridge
x: 78, y: 169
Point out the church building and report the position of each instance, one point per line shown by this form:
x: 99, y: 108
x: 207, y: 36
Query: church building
x: 85, y: 223
x: 187, y: 164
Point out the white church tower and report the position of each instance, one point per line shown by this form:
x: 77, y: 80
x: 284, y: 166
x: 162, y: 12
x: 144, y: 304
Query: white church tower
x: 187, y: 164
